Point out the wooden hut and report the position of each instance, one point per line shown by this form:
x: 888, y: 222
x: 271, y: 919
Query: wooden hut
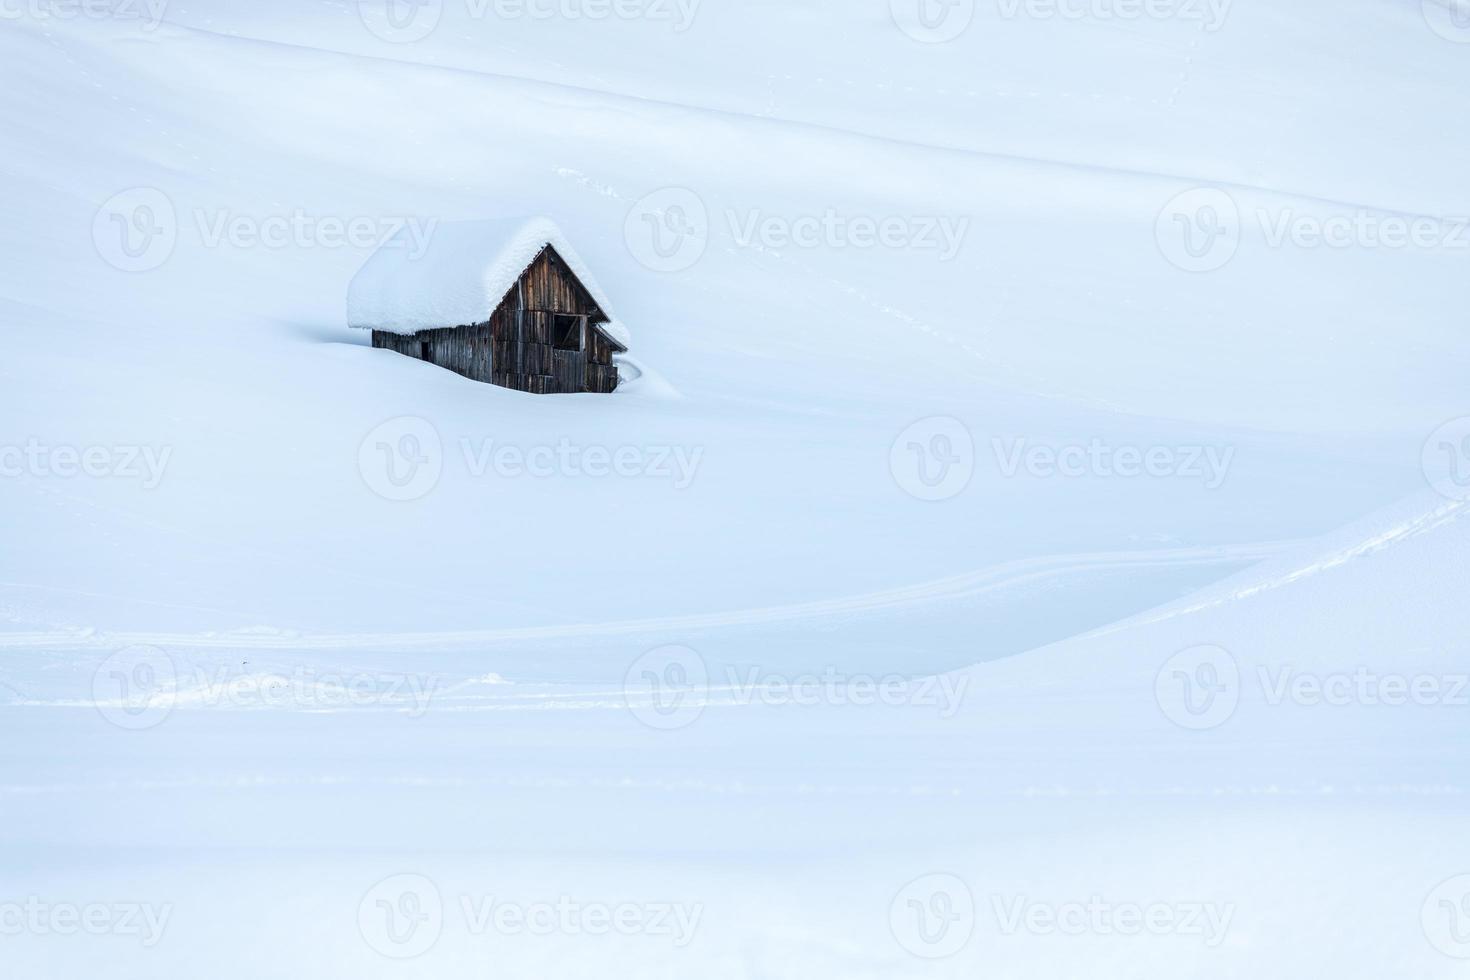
x: 508, y: 303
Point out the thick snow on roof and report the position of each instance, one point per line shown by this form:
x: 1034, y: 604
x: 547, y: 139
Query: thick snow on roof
x: 456, y: 274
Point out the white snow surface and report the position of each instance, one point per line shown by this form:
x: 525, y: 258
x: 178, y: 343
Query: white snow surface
x: 432, y: 274
x: 244, y: 687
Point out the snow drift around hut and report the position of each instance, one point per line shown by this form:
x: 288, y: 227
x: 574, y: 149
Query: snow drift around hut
x: 450, y: 274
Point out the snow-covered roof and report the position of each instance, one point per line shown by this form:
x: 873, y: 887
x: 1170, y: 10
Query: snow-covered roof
x: 616, y: 330
x: 453, y: 273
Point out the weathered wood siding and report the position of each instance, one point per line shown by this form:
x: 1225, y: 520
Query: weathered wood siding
x: 515, y: 347
x: 463, y: 350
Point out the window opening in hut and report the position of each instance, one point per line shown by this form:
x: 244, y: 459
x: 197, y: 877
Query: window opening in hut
x: 567, y: 332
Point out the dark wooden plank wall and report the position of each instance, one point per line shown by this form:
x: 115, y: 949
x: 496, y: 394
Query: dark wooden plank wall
x: 514, y: 348
x: 463, y: 350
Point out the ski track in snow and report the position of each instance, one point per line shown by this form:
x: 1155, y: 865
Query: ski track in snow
x: 722, y: 787
x: 624, y: 101
x: 968, y: 585
x: 834, y: 130
x: 1397, y: 534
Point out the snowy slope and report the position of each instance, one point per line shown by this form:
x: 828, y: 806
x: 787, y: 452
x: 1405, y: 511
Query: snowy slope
x: 1314, y: 833
x: 797, y: 367
x: 324, y: 616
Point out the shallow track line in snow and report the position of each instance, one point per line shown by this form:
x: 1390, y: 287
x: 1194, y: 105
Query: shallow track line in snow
x: 980, y: 582
x: 621, y: 100
x: 1397, y: 534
